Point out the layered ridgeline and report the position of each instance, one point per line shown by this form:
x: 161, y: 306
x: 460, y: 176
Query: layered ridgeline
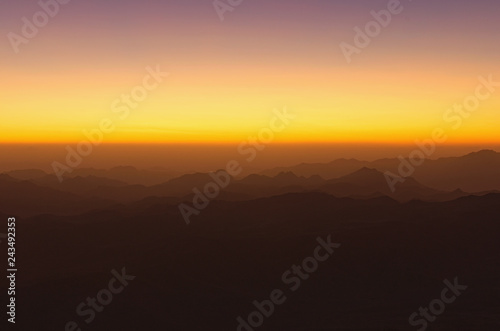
x: 435, y: 180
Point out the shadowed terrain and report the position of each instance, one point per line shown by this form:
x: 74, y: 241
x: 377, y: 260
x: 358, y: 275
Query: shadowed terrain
x: 396, y: 249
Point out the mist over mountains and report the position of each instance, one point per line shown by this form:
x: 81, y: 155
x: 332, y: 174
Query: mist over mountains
x: 443, y: 179
x: 474, y: 172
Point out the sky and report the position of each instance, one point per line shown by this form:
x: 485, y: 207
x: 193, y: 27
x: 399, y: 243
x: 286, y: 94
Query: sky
x: 226, y: 78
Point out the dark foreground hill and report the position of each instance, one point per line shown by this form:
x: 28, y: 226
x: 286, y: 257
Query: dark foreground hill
x: 392, y: 260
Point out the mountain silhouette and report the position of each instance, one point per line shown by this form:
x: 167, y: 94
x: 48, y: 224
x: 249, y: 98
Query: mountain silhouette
x: 474, y: 172
x: 127, y: 174
x: 24, y: 198
x: 77, y: 185
x: 393, y: 259
x: 362, y: 183
x: 26, y: 174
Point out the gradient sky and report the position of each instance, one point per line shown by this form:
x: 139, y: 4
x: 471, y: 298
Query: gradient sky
x: 227, y: 77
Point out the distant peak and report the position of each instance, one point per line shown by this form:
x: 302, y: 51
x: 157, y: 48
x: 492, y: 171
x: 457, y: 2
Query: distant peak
x: 253, y: 176
x: 483, y: 152
x: 286, y: 174
x: 364, y: 174
x: 123, y: 168
x: 366, y: 170
x: 344, y: 160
